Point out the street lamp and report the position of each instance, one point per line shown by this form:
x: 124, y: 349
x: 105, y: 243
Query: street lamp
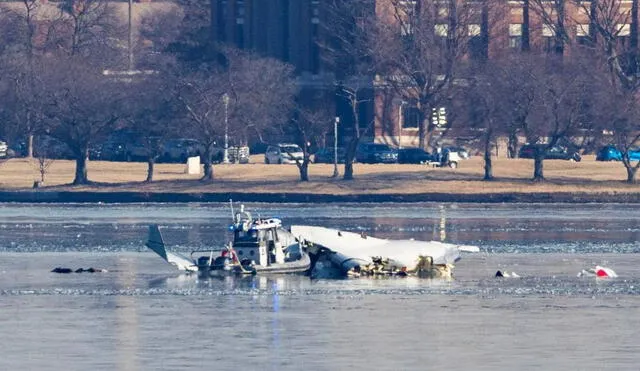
x: 130, y: 36
x: 225, y: 100
x: 335, y: 146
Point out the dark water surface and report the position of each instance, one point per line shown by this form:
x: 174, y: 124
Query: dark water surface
x: 141, y: 315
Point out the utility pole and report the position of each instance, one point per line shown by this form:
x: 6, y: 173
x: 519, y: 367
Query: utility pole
x: 335, y: 147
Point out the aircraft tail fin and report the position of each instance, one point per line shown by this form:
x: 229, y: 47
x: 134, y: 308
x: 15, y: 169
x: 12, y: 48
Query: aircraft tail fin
x: 156, y: 244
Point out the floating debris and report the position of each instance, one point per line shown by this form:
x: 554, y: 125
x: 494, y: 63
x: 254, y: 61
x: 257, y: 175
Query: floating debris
x: 506, y: 274
x: 599, y: 272
x: 79, y: 270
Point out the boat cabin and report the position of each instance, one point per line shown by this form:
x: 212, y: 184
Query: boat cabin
x: 259, y: 241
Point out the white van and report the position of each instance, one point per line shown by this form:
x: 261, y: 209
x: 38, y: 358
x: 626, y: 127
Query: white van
x: 3, y: 149
x: 283, y: 153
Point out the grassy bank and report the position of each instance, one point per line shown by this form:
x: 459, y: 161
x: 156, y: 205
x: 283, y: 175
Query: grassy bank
x: 512, y: 176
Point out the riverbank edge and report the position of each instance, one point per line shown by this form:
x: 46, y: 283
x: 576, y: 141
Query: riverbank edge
x: 42, y: 196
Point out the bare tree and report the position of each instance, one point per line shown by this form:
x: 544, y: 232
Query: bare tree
x: 202, y: 96
x: 42, y: 163
x: 24, y: 63
x: 564, y: 109
x: 152, y: 113
x: 157, y: 33
x: 263, y: 92
x: 309, y: 124
x: 484, y: 100
x: 614, y: 33
x: 614, y: 38
x: 422, y: 51
x: 357, y: 93
x: 90, y: 29
x: 553, y: 15
x: 352, y: 28
x: 621, y: 126
x: 81, y: 105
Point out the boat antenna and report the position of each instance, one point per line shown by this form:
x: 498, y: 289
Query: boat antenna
x: 232, y: 213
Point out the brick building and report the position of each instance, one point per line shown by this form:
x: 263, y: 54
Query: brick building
x: 295, y: 31
x: 291, y: 30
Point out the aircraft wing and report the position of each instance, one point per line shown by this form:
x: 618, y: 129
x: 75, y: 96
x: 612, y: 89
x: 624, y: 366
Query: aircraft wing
x: 156, y: 243
x: 361, y: 248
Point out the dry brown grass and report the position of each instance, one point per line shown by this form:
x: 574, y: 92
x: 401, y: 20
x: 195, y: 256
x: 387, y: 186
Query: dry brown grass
x: 512, y: 175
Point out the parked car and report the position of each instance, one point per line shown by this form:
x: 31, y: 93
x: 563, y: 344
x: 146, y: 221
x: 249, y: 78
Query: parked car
x: 283, y: 153
x: 52, y: 148
x: 108, y: 151
x: 326, y: 155
x: 553, y: 153
x: 373, y: 153
x: 142, y: 147
x: 239, y: 154
x: 611, y: 153
x: 179, y: 150
x: 414, y: 156
x: 4, y: 148
x: 462, y: 152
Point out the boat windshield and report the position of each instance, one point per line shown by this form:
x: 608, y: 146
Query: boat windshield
x: 247, y: 236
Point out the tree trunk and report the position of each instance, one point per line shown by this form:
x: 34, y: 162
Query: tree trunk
x: 348, y: 170
x: 422, y: 131
x: 488, y: 168
x: 484, y: 30
x: 593, y: 16
x: 349, y: 157
x: 150, y: 165
x: 304, y: 170
x: 81, y: 169
x: 512, y: 146
x: 538, y: 175
x: 208, y: 167
x: 560, y: 30
x: 631, y: 174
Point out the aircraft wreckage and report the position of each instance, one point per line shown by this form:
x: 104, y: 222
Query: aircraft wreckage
x: 263, y: 245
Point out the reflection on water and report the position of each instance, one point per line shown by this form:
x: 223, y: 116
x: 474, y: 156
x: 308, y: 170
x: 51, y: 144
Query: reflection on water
x: 143, y: 315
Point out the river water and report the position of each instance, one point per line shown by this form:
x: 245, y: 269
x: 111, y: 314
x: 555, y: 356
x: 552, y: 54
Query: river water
x: 141, y: 315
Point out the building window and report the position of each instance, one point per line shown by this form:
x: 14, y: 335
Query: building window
x: 410, y: 117
x: 548, y: 38
x: 515, y: 36
x: 475, y: 44
x: 623, y: 31
x: 315, y: 27
x: 474, y: 30
x: 582, y: 34
x: 406, y: 11
x: 239, y: 34
x: 442, y: 30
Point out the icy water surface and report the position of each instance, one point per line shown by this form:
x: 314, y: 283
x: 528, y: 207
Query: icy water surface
x: 141, y: 315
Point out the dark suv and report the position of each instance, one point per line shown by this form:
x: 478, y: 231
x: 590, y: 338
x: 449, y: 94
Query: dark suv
x: 553, y: 153
x: 326, y: 155
x: 374, y: 153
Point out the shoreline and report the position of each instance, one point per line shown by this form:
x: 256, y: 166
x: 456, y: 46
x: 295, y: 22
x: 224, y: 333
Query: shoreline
x: 42, y: 196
